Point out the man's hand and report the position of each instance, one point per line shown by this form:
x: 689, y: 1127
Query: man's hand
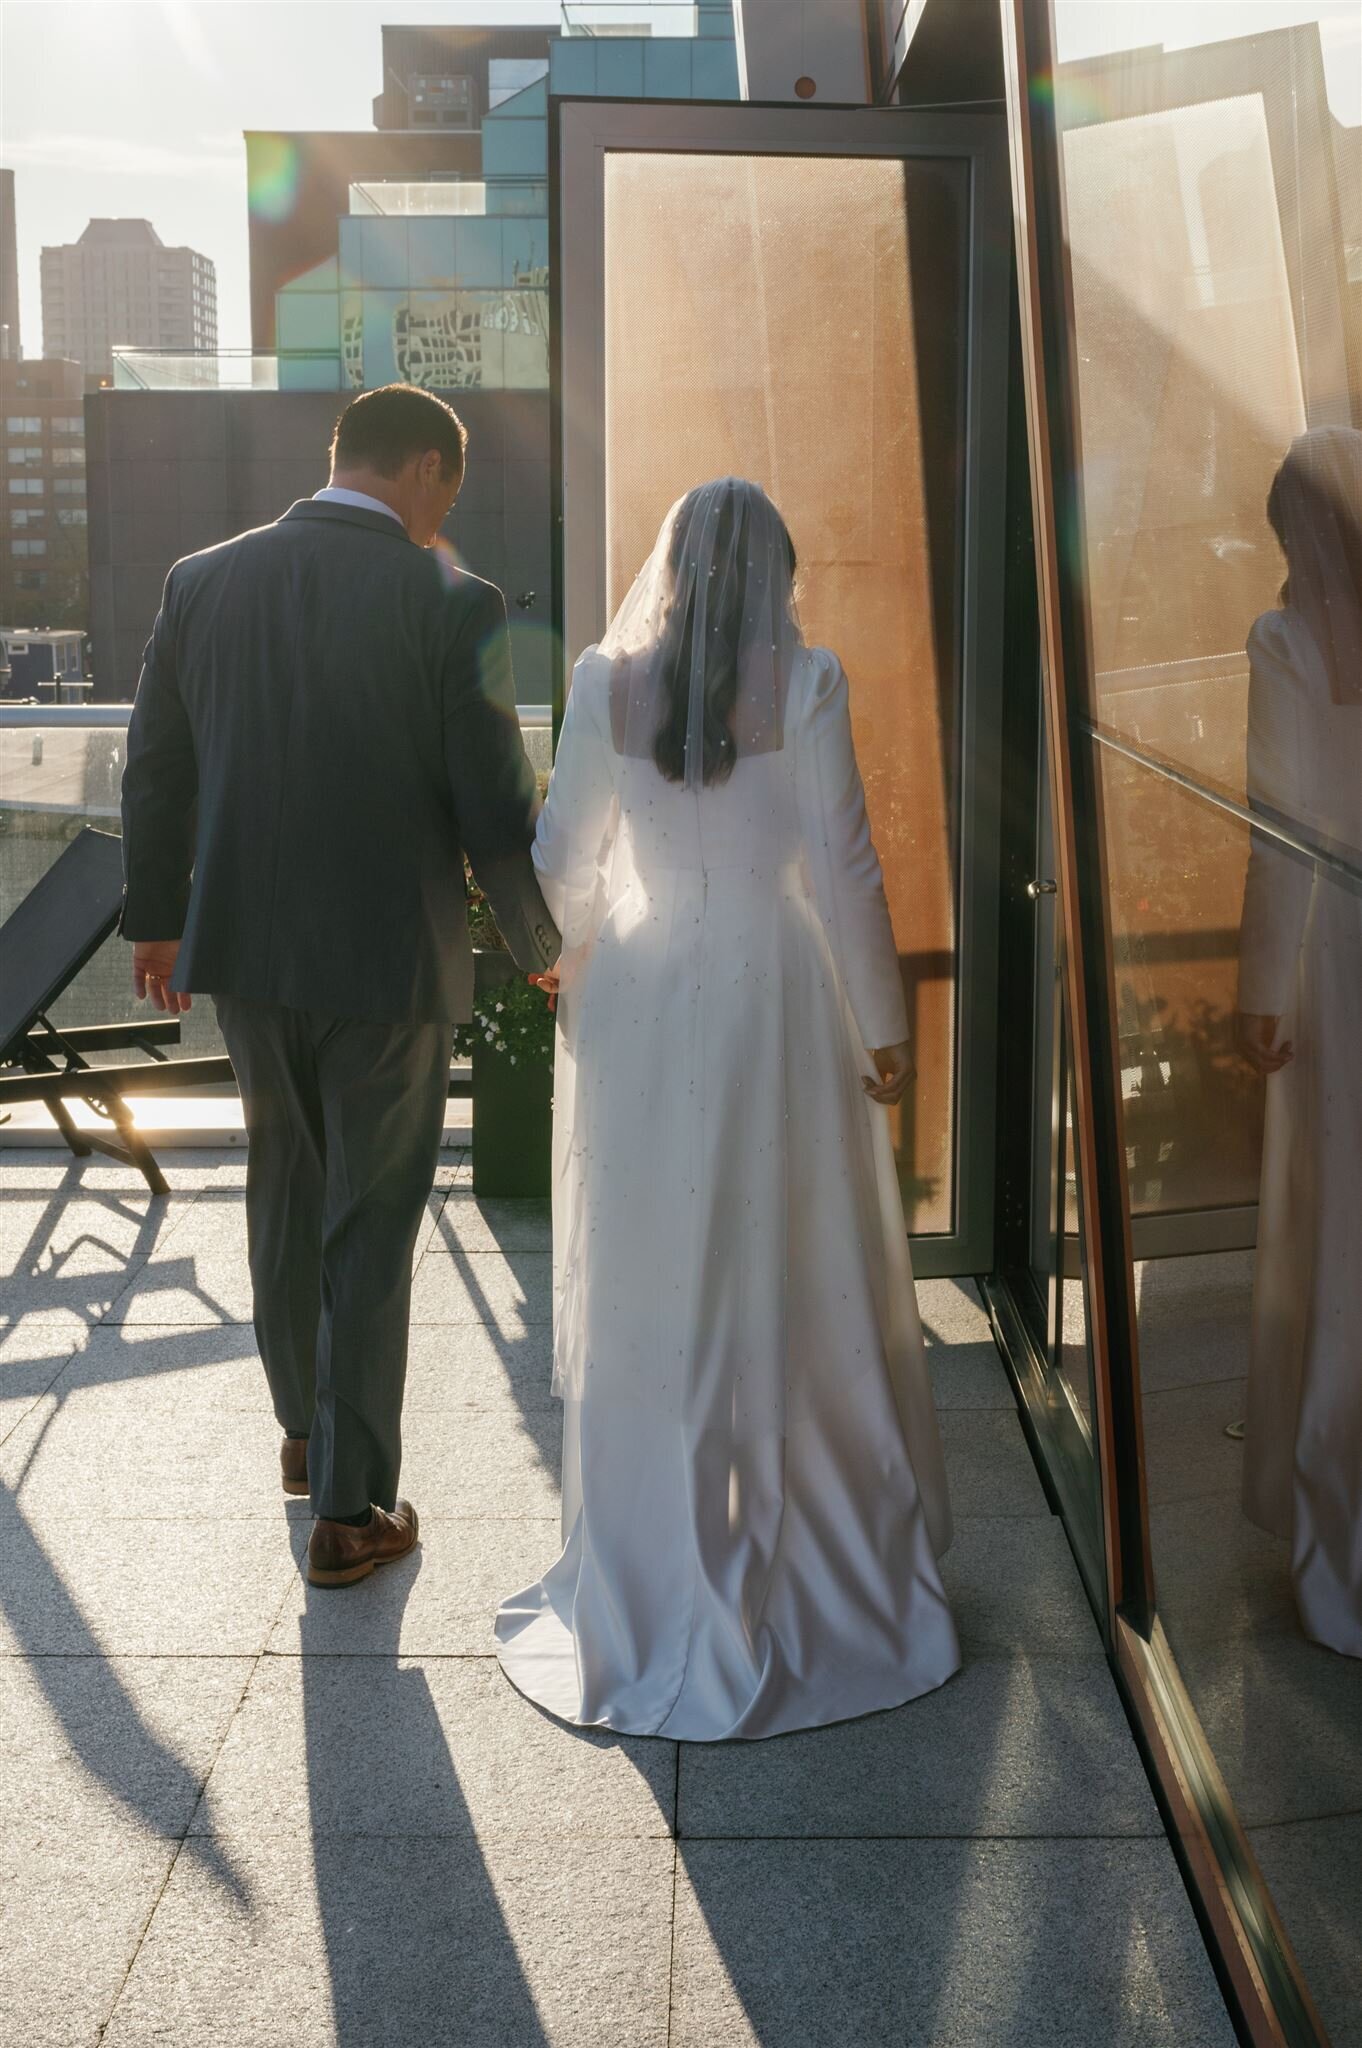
x: 894, y: 1064
x: 153, y: 963
x: 1255, y: 1038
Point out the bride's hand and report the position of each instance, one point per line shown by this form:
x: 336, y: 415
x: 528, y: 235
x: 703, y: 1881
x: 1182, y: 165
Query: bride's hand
x: 894, y: 1064
x: 549, y: 981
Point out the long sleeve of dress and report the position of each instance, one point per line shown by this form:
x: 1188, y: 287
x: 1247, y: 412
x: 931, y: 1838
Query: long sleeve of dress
x: 578, y: 813
x: 848, y: 882
x: 1279, y: 882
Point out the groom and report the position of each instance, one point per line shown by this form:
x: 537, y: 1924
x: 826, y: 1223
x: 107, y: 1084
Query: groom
x: 325, y: 724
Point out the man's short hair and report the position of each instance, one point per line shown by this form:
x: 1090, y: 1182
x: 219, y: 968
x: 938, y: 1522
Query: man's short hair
x: 382, y: 430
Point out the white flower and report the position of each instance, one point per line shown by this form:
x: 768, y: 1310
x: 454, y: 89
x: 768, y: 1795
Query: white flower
x: 500, y: 1008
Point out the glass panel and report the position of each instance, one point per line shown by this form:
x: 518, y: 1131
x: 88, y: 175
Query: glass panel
x: 54, y: 780
x: 1193, y: 1113
x: 814, y: 277
x: 1213, y: 189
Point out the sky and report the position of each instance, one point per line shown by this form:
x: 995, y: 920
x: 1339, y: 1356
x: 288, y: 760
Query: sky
x: 136, y: 107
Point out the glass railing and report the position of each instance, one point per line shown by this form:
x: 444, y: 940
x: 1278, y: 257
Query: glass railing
x: 632, y: 17
x: 473, y: 198
x: 61, y: 768
x: 149, y: 369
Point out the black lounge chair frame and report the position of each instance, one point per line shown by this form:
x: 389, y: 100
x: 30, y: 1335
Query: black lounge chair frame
x: 44, y: 944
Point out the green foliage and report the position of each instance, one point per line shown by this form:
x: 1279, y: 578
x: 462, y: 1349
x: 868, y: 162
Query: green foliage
x: 515, y: 1021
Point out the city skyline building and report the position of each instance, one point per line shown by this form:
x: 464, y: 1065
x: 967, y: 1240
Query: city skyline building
x: 10, y: 343
x: 119, y: 285
x: 44, y: 562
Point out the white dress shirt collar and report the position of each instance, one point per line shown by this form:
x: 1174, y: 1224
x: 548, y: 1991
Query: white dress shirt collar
x: 332, y: 494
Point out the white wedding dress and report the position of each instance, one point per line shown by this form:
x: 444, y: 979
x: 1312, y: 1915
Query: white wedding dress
x: 754, y: 1498
x: 1300, y: 959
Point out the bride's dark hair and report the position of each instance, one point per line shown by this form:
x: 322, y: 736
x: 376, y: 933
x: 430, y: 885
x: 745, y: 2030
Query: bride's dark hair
x: 730, y: 543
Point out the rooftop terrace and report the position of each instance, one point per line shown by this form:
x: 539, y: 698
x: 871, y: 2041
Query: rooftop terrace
x: 236, y: 1810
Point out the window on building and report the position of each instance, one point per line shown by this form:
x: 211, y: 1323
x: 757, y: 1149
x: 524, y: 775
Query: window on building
x: 30, y: 579
x: 25, y: 452
x: 506, y: 76
x: 436, y: 101
x: 73, y: 515
x: 68, y: 423
x: 68, y: 456
x: 70, y: 487
x: 21, y: 516
x: 28, y: 547
x: 23, y: 423
x: 26, y: 487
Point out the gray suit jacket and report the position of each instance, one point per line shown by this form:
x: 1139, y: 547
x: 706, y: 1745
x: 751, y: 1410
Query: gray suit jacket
x: 325, y: 722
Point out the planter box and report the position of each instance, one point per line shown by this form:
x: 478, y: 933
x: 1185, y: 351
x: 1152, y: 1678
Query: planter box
x: 512, y: 1107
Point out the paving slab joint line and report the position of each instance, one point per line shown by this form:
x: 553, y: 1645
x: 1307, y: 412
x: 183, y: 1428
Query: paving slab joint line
x: 61, y: 1365
x: 676, y: 1868
x: 964, y: 1835
x: 210, y: 1767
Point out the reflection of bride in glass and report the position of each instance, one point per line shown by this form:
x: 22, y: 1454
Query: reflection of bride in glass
x: 1300, y: 1004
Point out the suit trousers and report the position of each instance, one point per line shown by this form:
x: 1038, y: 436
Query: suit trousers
x: 343, y: 1120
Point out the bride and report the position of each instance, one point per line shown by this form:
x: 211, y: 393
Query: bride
x: 754, y: 1499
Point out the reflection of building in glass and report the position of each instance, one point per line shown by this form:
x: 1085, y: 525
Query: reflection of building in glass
x: 443, y: 283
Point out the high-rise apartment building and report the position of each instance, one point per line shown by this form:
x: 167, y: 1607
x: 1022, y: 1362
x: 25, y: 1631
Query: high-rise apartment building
x: 44, y: 572
x: 119, y: 286
x: 9, y: 271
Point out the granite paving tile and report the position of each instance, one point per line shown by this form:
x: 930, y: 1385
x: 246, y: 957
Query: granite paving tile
x: 508, y: 1290
x: 147, y: 1588
x: 470, y: 1224
x: 1014, y: 1590
x: 952, y: 1944
x: 443, y: 1608
x: 126, y: 1461
x: 339, y: 1745
x: 1008, y: 1747
x: 1315, y: 1870
x: 73, y: 1905
x: 989, y: 1468
x: 353, y: 1942
x: 111, y: 1741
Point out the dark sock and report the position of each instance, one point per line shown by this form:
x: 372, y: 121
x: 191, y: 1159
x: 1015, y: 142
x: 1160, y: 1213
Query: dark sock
x: 354, y: 1521
x: 296, y: 1437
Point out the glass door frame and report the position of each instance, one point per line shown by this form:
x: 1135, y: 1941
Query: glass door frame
x: 582, y: 132
x: 1258, y: 1969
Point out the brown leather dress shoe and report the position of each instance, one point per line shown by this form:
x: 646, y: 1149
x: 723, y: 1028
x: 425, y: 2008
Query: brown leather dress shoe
x: 337, y: 1554
x: 293, y: 1464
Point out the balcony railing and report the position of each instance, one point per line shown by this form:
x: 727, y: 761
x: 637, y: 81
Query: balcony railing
x: 150, y: 369
x: 61, y: 767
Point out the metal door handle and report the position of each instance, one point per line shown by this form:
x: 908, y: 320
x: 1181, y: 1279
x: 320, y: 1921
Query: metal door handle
x: 1035, y: 889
